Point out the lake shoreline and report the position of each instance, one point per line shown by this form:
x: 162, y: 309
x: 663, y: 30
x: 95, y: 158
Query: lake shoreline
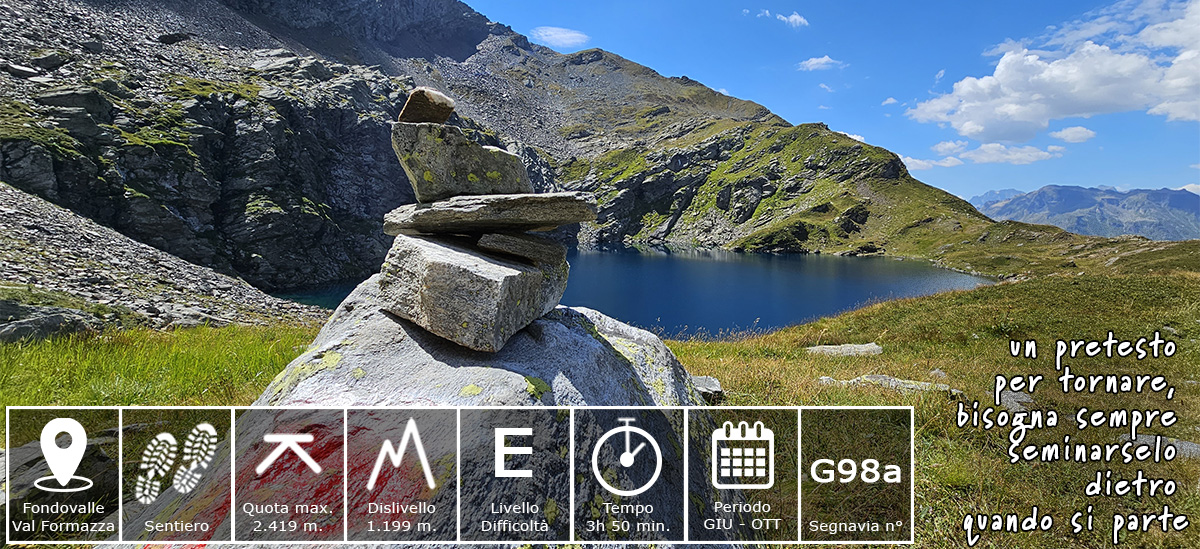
x: 716, y: 293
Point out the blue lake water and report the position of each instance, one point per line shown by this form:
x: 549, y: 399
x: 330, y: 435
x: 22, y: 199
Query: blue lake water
x: 718, y: 292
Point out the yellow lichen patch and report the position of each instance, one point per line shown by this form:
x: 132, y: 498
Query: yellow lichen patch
x: 330, y: 360
x: 536, y: 387
x: 291, y: 376
x: 660, y: 387
x: 629, y: 349
x: 470, y: 390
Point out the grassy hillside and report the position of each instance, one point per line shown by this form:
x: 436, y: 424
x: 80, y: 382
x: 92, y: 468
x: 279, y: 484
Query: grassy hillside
x: 761, y: 187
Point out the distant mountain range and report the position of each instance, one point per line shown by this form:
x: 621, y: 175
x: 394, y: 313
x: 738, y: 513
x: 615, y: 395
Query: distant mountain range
x: 993, y: 196
x: 1162, y: 214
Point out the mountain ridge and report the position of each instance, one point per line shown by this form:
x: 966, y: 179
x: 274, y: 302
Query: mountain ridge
x: 1158, y: 214
x: 997, y: 195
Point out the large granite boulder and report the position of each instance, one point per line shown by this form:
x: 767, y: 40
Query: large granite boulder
x: 441, y: 162
x: 570, y: 357
x: 502, y: 212
x: 475, y: 298
x: 18, y: 321
x: 365, y: 356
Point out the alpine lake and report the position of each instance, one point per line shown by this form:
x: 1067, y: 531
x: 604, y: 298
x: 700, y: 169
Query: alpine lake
x: 717, y: 293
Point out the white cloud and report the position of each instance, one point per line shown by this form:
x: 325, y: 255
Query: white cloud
x: 1073, y: 134
x: 723, y: 91
x: 889, y: 101
x: 1197, y: 166
x: 995, y: 153
x: 819, y: 63
x: 763, y: 13
x: 795, y: 20
x: 938, y: 77
x: 1119, y: 20
x: 918, y: 164
x: 823, y: 107
x: 558, y: 37
x: 1006, y: 46
x: 1126, y: 57
x: 826, y: 87
x: 745, y: 12
x: 1192, y: 188
x: 854, y: 136
x: 949, y: 147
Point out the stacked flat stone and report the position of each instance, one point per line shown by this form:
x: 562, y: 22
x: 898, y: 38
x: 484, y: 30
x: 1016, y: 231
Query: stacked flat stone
x: 464, y: 264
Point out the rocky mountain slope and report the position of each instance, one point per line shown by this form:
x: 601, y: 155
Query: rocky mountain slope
x: 251, y: 136
x: 1161, y: 214
x: 183, y: 126
x: 58, y: 252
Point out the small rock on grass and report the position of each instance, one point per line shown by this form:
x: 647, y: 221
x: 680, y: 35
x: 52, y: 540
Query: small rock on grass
x: 1015, y: 401
x: 709, y: 388
x: 892, y: 383
x: 848, y: 349
x: 1184, y: 449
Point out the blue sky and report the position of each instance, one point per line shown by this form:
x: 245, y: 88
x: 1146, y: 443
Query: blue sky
x: 974, y: 96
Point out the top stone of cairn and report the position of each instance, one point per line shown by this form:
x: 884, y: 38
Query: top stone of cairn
x: 427, y: 105
x: 441, y: 162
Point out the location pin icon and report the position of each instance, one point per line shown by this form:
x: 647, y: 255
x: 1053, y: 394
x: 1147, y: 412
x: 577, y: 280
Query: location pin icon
x: 63, y: 461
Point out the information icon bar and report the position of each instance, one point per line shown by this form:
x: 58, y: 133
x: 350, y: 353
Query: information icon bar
x: 461, y: 474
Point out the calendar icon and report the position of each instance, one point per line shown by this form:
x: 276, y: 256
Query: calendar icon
x: 743, y: 456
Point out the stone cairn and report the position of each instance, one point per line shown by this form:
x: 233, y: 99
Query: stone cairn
x: 465, y: 264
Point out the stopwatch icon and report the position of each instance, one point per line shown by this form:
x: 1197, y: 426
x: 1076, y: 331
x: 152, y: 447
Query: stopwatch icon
x: 628, y: 455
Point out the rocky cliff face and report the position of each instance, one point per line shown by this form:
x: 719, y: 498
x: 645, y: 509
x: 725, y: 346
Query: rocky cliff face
x: 263, y: 164
x: 405, y: 28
